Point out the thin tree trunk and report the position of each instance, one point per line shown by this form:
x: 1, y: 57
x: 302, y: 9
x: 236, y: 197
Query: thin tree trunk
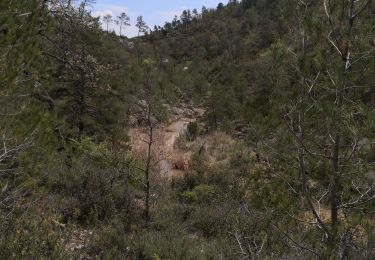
x: 335, y: 182
x: 214, y: 115
x: 81, y: 124
x: 81, y: 110
x: 149, y: 151
x: 147, y: 173
x: 336, y: 175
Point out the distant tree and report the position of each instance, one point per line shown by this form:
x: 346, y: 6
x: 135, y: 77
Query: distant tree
x: 123, y: 21
x: 204, y: 10
x: 176, y: 22
x: 186, y: 17
x: 168, y: 26
x: 141, y: 25
x: 248, y: 3
x: 108, y: 20
x: 195, y: 14
x: 233, y: 2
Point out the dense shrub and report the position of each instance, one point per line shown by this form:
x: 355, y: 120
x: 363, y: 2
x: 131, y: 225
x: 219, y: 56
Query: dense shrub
x: 31, y: 236
x: 95, y: 189
x: 192, y: 131
x: 202, y: 194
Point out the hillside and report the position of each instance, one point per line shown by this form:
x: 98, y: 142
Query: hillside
x: 241, y: 132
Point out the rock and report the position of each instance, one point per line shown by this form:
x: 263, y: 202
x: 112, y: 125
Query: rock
x: 239, y: 135
x: 166, y: 106
x: 131, y: 45
x: 133, y: 121
x: 189, y: 113
x: 143, y: 122
x: 370, y: 175
x: 154, y: 121
x: 142, y: 103
x: 364, y: 144
x: 177, y: 111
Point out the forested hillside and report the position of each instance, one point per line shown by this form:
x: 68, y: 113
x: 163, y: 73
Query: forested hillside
x: 241, y: 132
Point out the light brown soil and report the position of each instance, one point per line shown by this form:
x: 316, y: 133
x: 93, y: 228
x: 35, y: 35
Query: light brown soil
x: 168, y: 160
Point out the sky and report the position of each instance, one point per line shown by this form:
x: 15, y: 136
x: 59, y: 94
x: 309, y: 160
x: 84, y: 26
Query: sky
x: 154, y: 12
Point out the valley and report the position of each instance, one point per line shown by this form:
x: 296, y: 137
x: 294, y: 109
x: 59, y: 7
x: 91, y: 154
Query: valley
x: 243, y: 130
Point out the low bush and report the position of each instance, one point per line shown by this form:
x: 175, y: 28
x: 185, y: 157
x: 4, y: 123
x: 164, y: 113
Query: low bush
x: 31, y: 236
x: 192, y: 131
x: 95, y: 189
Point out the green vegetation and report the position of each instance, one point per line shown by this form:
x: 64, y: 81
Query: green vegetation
x: 281, y: 164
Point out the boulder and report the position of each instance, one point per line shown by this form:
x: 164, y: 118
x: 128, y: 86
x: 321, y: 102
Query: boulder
x: 142, y: 103
x: 133, y: 121
x: 189, y: 113
x: 177, y: 111
x: 166, y: 106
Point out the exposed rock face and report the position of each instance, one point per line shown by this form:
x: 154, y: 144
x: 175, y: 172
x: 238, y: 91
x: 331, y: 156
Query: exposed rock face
x: 142, y: 103
x: 133, y: 121
x: 177, y: 111
x: 241, y: 130
x: 188, y: 113
x: 138, y: 116
x: 184, y: 111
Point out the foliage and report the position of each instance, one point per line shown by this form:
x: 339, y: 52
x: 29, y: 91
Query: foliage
x: 192, y: 130
x: 282, y: 162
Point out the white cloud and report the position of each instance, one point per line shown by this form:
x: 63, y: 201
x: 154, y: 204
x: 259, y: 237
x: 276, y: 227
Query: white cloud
x: 102, y: 13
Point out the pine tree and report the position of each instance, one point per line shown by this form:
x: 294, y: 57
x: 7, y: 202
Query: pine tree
x: 123, y: 21
x: 141, y: 25
x: 107, y: 20
x: 81, y: 89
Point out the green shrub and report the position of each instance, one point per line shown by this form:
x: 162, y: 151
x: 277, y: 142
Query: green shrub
x: 192, y: 131
x: 209, y: 220
x: 111, y: 242
x: 31, y: 237
x: 187, y: 183
x: 174, y: 243
x: 189, y: 196
x: 95, y: 189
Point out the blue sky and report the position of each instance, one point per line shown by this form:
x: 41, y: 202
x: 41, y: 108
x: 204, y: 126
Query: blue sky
x: 155, y: 12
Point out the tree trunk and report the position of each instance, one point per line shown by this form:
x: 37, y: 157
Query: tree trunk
x: 335, y: 182
x: 149, y: 152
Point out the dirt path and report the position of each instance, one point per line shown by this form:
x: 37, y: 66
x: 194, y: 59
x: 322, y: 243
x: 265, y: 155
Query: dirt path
x: 170, y: 159
x: 174, y: 130
x: 172, y: 154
